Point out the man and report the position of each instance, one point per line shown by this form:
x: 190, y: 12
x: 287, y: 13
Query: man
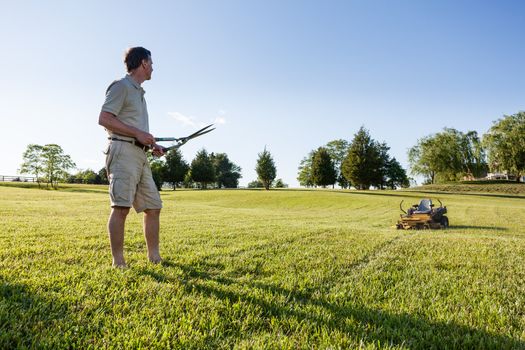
x: 124, y: 115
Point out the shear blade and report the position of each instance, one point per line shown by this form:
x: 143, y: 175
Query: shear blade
x: 199, y: 132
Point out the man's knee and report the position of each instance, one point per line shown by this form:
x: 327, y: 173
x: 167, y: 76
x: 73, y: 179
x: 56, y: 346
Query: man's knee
x: 120, y: 211
x: 152, y: 212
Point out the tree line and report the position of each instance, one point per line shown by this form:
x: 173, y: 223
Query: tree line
x: 361, y: 163
x: 212, y: 169
x: 205, y: 170
x: 452, y: 155
x: 49, y: 163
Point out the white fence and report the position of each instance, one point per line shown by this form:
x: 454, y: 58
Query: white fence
x: 17, y: 178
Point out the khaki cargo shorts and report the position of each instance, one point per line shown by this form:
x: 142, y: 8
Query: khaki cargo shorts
x: 130, y: 180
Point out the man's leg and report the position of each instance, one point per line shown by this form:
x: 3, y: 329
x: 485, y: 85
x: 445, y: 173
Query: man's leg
x: 151, y: 233
x: 116, y: 222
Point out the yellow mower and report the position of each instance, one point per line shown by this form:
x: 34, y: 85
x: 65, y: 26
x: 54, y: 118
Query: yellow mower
x: 423, y: 216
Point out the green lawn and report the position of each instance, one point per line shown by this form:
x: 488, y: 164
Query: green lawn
x: 257, y: 269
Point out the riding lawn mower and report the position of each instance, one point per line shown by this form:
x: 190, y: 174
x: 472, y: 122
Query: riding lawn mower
x: 423, y: 216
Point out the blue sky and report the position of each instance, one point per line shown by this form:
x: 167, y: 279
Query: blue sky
x: 288, y: 75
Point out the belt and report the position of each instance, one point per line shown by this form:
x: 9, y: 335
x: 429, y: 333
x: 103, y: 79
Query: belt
x: 134, y: 142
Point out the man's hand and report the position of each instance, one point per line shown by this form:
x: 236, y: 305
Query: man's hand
x: 157, y: 150
x: 145, y: 138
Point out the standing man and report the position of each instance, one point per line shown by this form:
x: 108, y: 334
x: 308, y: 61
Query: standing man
x: 124, y: 115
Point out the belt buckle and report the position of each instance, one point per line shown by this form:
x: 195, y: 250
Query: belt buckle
x: 140, y: 145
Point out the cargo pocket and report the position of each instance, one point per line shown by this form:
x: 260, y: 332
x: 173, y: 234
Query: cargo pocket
x: 120, y: 191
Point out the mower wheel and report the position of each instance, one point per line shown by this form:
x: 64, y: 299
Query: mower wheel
x: 444, y: 222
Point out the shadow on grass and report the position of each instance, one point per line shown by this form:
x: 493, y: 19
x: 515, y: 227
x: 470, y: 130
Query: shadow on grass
x: 414, y: 193
x: 473, y: 227
x: 103, y: 189
x: 373, y: 326
x: 24, y: 316
x: 30, y: 185
x: 383, y: 193
x: 80, y: 188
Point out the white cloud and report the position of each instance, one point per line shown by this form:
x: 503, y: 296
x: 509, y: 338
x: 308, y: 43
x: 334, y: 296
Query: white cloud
x: 219, y: 120
x: 183, y: 119
x: 193, y: 122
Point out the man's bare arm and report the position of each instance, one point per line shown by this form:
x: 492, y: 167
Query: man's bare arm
x: 111, y: 122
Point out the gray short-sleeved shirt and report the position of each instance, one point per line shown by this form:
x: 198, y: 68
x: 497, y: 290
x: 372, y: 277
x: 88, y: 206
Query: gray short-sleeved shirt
x: 125, y: 99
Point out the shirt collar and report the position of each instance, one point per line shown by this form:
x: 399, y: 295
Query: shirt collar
x: 134, y: 83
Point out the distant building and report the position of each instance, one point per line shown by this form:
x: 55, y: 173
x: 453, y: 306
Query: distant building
x: 500, y: 176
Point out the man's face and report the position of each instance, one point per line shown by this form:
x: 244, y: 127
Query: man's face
x: 148, y: 67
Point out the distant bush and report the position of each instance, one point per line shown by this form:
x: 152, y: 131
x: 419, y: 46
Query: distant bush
x: 255, y: 184
x: 490, y: 182
x: 279, y: 183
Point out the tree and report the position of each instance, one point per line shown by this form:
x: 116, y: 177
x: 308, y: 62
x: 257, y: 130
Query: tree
x: 202, y: 169
x: 158, y: 172
x: 102, y: 173
x: 421, y: 160
x: 227, y: 173
x: 305, y: 171
x: 382, y: 164
x: 176, y: 168
x: 90, y: 177
x: 505, y: 143
x: 363, y: 161
x: 188, y: 182
x: 395, y: 175
x: 448, y: 156
x: 33, y: 162
x: 338, y: 149
x: 473, y: 155
x: 323, y: 170
x: 265, y: 168
x: 55, y: 164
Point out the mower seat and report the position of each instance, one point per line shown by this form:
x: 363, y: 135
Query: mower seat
x: 424, y: 207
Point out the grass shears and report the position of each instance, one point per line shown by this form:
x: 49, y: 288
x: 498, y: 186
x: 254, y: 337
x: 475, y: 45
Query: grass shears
x: 182, y: 140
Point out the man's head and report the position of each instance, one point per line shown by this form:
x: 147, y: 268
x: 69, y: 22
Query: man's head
x: 138, y: 58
